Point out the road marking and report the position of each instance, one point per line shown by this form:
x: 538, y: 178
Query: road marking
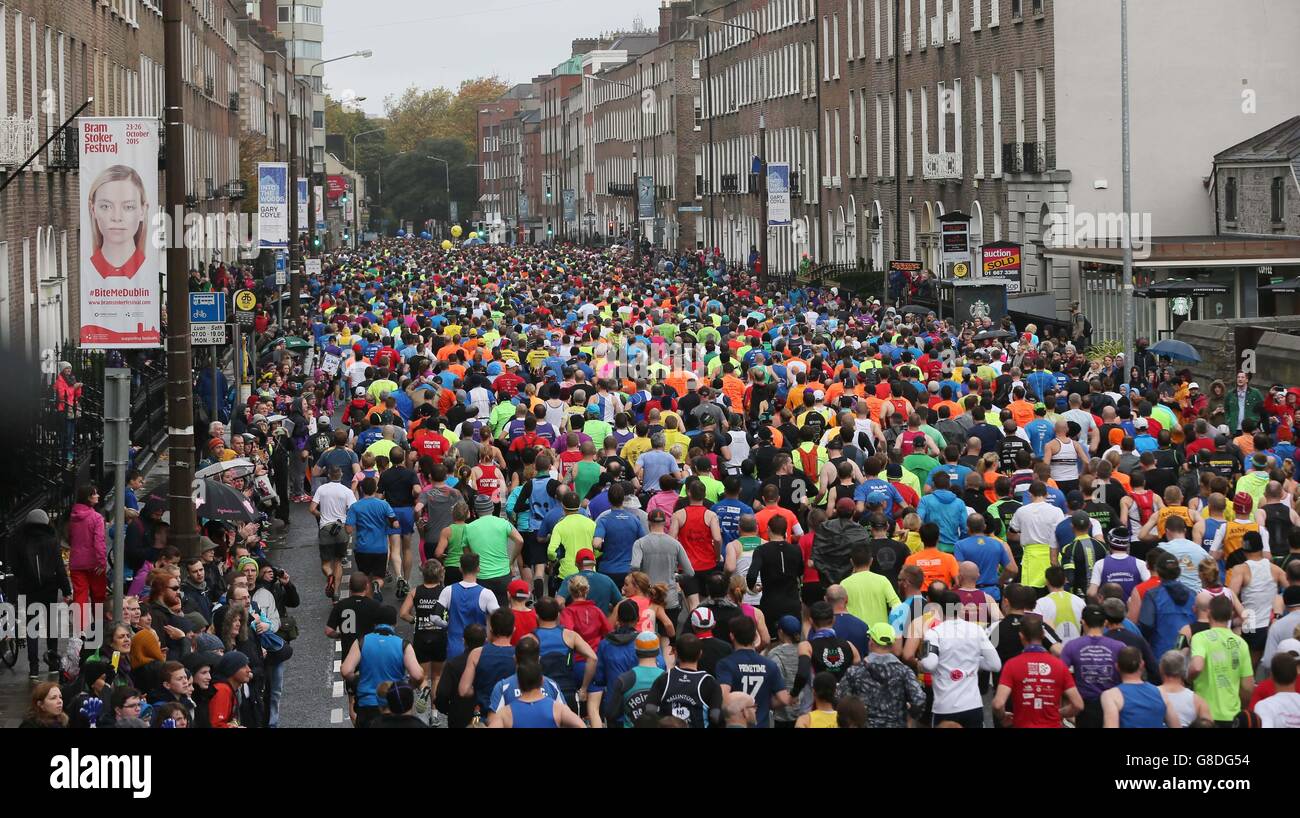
x: 338, y: 665
x: 338, y: 689
x: 336, y: 716
x: 338, y: 646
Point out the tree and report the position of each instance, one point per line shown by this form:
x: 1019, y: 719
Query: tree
x: 345, y: 121
x: 470, y: 97
x: 416, y: 115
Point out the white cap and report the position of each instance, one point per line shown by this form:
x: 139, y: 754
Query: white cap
x: 819, y: 395
x: 1291, y: 646
x: 1193, y: 386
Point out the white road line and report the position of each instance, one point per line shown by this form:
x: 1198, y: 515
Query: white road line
x: 338, y: 646
x: 336, y: 716
x: 338, y: 665
x: 338, y: 689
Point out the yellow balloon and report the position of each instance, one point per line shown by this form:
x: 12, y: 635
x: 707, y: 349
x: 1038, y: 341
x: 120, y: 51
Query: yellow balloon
x: 446, y: 244
x: 456, y: 231
x: 473, y: 235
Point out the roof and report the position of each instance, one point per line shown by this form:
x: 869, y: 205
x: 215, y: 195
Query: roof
x: 636, y: 44
x: 530, y: 115
x: 1280, y: 143
x: 1189, y: 251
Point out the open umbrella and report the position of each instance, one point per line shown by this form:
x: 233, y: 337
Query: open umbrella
x: 241, y: 467
x: 916, y: 310
x: 993, y: 335
x: 1291, y: 285
x: 217, y: 501
x: 1180, y: 287
x: 1176, y: 351
x: 292, y: 343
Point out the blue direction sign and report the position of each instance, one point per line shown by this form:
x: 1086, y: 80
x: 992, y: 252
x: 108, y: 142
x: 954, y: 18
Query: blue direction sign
x: 207, y: 308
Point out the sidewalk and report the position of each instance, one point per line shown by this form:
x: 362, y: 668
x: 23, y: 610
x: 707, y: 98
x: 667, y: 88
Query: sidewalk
x: 15, y: 687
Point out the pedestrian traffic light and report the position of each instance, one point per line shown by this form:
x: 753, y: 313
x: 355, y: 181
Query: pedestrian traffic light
x: 548, y: 194
x: 315, y: 242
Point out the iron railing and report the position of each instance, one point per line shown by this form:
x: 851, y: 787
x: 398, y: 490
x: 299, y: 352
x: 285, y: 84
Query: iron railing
x: 64, y: 150
x: 58, y: 450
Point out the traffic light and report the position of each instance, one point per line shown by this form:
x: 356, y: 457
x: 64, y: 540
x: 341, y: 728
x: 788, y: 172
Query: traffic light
x: 548, y: 194
x: 316, y: 242
x: 343, y: 200
x: 550, y: 231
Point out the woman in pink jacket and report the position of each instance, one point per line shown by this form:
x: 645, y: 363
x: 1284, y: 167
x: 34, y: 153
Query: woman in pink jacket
x: 88, y: 556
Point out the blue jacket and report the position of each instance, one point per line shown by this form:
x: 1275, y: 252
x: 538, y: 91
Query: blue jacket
x: 615, y: 656
x: 946, y: 510
x: 1165, y: 610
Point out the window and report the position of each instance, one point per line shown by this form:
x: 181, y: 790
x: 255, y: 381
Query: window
x: 853, y: 137
x: 1230, y: 199
x: 848, y: 28
x: 907, y: 26
x: 979, y: 126
x: 955, y: 105
x: 911, y: 169
x: 893, y: 155
x: 4, y: 69
x: 925, y: 122
x: 943, y: 108
x: 836, y: 34
x: 1017, y: 11
x: 880, y: 146
x: 1277, y: 199
x: 993, y: 14
x: 877, y: 27
x: 838, y: 154
x: 862, y: 29
x: 318, y: 120
x: 921, y: 39
x: 1040, y: 109
x: 826, y: 52
x: 284, y: 13
x: 1020, y: 106
x: 890, y: 7
x: 996, y: 89
x: 862, y: 129
x: 975, y: 13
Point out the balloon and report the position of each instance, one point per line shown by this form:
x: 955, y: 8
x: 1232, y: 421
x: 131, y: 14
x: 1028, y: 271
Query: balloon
x: 446, y: 244
x: 425, y: 235
x: 456, y: 231
x: 473, y: 235
x: 401, y: 234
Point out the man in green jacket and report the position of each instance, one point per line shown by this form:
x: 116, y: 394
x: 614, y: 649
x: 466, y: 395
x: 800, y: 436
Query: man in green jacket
x: 1243, y: 404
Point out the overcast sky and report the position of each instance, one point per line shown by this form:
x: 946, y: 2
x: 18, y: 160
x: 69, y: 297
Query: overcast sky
x: 433, y: 43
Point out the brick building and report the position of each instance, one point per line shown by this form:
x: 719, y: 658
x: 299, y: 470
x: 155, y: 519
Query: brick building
x: 555, y: 91
x: 735, y: 66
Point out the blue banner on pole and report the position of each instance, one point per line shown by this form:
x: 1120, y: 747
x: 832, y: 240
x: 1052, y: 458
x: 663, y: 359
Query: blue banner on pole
x: 645, y: 197
x: 778, y: 194
x: 570, y: 205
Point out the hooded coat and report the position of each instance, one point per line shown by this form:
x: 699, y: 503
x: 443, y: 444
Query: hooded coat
x: 945, y: 509
x: 87, y: 543
x: 38, y: 564
x: 1165, y: 610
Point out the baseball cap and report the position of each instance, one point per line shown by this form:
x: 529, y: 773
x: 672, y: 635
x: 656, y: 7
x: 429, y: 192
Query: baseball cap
x: 518, y: 589
x: 1291, y: 596
x: 1242, y: 502
x: 819, y: 395
x: 702, y: 619
x: 359, y: 392
x: 1080, y: 519
x: 789, y: 625
x: 845, y: 505
x: 594, y: 409
x: 1291, y: 646
x: 1119, y: 537
x: 882, y: 633
x: 1140, y: 423
x: 647, y: 643
x: 585, y: 556
x: 1193, y: 385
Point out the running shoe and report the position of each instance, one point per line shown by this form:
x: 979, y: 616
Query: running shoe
x: 437, y: 719
x: 329, y: 586
x: 403, y: 588
x: 379, y: 594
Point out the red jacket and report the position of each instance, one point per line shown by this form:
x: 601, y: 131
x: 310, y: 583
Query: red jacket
x: 68, y: 394
x: 223, y: 709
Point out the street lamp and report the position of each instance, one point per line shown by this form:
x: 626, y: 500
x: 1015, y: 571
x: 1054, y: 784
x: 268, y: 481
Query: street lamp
x: 762, y: 134
x: 447, y: 167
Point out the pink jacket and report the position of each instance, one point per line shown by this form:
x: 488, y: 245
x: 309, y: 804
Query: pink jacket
x: 86, y: 539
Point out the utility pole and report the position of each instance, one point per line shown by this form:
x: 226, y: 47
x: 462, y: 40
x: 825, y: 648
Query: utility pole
x: 295, y: 254
x: 1126, y: 288
x: 180, y: 397
x: 898, y: 152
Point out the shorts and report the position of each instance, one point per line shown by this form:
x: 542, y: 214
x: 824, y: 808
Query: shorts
x: 365, y: 715
x: 1256, y: 639
x: 430, y: 647
x: 333, y: 542
x: 697, y: 583
x: 533, y: 551
x: 372, y: 565
x: 812, y: 592
x: 498, y: 586
x: 405, y: 519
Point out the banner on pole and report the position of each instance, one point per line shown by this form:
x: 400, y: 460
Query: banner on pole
x: 570, y: 205
x: 645, y: 197
x: 121, y: 289
x: 320, y: 208
x: 302, y: 203
x: 273, y: 204
x: 455, y: 212
x: 778, y: 194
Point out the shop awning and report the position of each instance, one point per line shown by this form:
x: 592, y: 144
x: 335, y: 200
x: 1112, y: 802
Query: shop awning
x: 1189, y: 251
x: 1186, y: 287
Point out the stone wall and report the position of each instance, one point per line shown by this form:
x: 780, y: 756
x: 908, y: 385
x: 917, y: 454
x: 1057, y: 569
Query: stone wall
x: 1226, y: 346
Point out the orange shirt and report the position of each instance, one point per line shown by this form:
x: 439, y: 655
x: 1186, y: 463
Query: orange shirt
x: 954, y: 408
x: 764, y: 517
x: 734, y: 389
x: 936, y: 565
x: 1022, y: 412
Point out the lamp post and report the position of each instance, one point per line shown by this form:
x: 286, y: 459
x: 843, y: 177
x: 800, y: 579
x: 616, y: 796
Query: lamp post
x: 1126, y: 284
x: 447, y: 167
x: 356, y: 199
x: 295, y: 270
x: 762, y: 134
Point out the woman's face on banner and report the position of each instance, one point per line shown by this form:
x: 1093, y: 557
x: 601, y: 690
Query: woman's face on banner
x: 118, y: 212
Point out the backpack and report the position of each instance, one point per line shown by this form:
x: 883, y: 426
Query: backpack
x: 808, y: 461
x: 833, y: 542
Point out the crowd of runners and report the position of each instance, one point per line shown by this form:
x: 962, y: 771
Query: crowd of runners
x: 598, y: 492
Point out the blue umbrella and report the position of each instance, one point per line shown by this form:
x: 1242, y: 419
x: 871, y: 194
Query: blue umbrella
x: 1176, y: 350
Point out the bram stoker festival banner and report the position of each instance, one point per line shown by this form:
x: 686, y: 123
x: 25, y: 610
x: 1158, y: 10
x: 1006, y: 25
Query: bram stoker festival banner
x: 121, y: 294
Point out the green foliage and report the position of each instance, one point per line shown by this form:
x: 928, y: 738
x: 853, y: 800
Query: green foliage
x: 1112, y: 348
